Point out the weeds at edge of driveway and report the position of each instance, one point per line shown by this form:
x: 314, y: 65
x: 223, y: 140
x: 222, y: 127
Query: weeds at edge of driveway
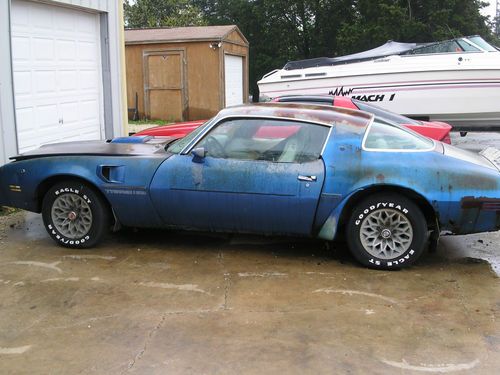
x: 5, y: 211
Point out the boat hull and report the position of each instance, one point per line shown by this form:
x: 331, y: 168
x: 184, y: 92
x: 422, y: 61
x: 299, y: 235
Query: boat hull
x: 466, y: 96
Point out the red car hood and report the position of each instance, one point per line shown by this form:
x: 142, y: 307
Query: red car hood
x: 180, y: 129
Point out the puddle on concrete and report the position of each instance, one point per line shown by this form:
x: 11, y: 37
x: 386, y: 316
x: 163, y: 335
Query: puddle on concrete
x: 482, y: 247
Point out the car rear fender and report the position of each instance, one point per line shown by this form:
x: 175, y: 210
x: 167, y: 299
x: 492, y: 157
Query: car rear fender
x: 338, y: 216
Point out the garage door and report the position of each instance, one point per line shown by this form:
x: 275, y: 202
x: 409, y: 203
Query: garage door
x: 57, y: 77
x: 233, y: 69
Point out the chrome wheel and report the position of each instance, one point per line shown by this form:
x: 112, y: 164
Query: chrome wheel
x: 71, y: 215
x: 386, y: 233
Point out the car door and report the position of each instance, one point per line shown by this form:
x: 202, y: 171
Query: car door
x: 257, y: 175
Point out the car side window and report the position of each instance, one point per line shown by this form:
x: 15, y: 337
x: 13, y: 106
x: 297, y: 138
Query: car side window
x: 384, y: 136
x: 265, y: 139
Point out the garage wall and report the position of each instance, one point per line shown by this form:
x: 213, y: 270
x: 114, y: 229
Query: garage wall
x: 110, y: 14
x: 100, y: 5
x: 8, y: 139
x: 203, y: 81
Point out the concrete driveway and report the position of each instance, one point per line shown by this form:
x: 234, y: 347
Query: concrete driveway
x: 159, y: 302
x: 163, y: 302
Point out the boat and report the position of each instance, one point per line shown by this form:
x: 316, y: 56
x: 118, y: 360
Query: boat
x: 455, y: 81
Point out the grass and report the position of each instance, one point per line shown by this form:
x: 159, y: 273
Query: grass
x: 4, y: 211
x: 148, y: 122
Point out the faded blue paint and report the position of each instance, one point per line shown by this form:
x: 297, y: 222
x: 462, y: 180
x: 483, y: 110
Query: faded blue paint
x: 130, y: 198
x: 153, y: 188
x: 133, y: 139
x: 442, y: 180
x: 237, y: 195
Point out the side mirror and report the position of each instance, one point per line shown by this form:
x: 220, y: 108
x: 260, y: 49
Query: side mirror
x: 199, y: 154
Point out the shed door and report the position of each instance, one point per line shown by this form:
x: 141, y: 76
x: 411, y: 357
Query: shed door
x: 164, y: 85
x: 233, y: 73
x: 57, y: 74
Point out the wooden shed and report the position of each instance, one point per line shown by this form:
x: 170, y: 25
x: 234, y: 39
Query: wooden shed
x: 185, y: 73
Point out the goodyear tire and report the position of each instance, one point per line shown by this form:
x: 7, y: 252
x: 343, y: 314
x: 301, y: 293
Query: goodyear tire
x: 386, y: 231
x: 74, y: 215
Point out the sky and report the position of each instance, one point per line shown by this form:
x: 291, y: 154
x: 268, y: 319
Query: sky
x: 490, y: 10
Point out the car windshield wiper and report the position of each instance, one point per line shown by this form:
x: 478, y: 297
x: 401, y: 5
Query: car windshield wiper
x: 169, y: 143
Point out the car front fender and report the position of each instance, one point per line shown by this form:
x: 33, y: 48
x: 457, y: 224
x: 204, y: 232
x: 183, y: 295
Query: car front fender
x: 329, y: 228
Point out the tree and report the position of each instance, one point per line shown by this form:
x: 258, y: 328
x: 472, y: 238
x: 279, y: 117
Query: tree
x: 159, y: 13
x: 411, y: 21
x: 284, y: 30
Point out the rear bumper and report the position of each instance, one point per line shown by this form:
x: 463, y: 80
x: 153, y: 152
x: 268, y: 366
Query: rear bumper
x: 476, y: 215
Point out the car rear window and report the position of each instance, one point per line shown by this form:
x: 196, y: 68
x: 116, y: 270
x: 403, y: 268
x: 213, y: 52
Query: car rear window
x: 385, y: 136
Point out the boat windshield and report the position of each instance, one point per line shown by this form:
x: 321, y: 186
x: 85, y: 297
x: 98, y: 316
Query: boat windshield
x: 458, y: 45
x: 448, y: 46
x: 477, y: 40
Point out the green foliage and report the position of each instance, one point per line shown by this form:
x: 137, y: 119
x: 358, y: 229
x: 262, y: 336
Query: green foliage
x: 5, y: 211
x: 149, y: 122
x: 283, y: 30
x: 162, y: 13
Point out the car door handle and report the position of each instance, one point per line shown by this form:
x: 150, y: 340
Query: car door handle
x: 306, y: 178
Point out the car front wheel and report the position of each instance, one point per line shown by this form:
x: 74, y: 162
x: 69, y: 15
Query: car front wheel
x: 386, y: 231
x: 74, y: 215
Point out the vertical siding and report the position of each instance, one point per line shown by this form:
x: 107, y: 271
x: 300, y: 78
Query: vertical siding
x: 100, y: 5
x: 8, y: 139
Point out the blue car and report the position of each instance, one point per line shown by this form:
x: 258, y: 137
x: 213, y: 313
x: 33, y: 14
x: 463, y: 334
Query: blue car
x: 273, y: 169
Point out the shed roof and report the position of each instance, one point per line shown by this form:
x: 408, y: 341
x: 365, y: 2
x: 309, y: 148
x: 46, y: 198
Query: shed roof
x: 180, y: 34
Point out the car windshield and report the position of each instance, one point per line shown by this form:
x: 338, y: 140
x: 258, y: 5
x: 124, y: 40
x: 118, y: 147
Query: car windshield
x: 384, y: 114
x: 177, y: 146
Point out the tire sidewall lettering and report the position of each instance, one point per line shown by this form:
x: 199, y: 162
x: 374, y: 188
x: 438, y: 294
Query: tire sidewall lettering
x: 73, y: 241
x: 380, y: 205
x: 393, y: 263
x: 51, y: 227
x: 370, y: 206
x: 78, y: 192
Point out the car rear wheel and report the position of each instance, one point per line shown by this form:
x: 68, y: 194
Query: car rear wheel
x: 386, y: 231
x: 74, y: 215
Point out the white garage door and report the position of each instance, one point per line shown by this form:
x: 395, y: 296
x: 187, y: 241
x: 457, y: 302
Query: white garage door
x: 57, y: 76
x: 233, y: 69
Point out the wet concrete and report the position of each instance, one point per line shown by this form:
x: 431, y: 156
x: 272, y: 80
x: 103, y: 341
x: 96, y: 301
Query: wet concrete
x: 157, y: 302
x: 476, y: 141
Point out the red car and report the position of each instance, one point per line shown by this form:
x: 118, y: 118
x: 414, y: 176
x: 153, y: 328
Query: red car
x: 178, y: 130
x: 435, y: 130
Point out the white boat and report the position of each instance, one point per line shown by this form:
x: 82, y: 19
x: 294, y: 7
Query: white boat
x: 455, y: 81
